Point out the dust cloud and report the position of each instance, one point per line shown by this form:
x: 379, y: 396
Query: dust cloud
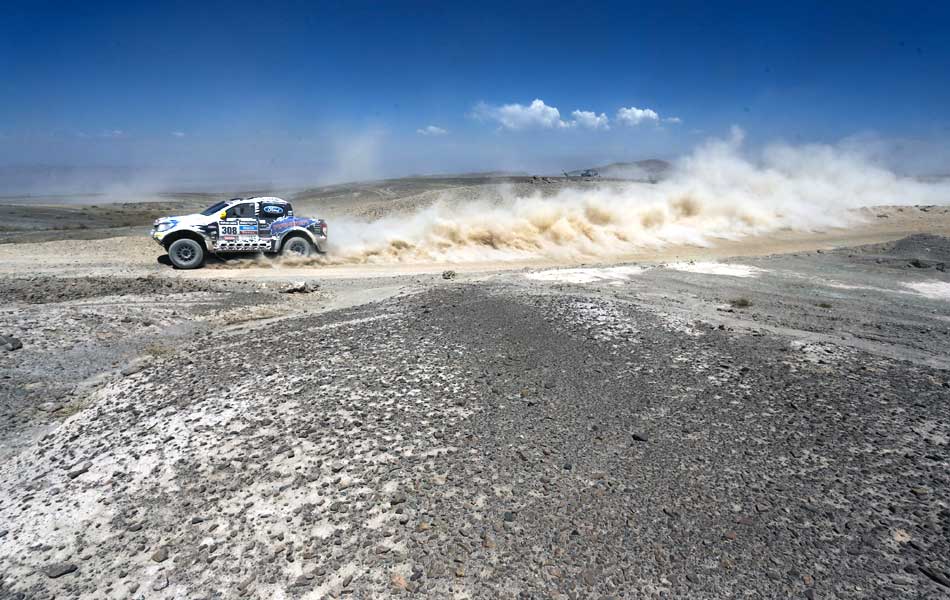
x: 715, y: 193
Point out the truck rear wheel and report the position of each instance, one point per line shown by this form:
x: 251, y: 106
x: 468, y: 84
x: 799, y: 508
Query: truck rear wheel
x: 297, y: 246
x: 186, y: 253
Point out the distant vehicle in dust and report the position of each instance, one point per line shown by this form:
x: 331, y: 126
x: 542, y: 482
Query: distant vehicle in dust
x: 264, y: 224
x: 586, y: 173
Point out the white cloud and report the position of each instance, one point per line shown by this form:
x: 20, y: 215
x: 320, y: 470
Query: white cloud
x: 431, y: 130
x: 178, y: 134
x: 539, y: 115
x: 112, y: 133
x: 634, y: 116
x: 591, y: 120
x: 517, y: 116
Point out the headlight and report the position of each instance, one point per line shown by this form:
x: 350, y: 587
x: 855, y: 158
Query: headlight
x: 165, y: 225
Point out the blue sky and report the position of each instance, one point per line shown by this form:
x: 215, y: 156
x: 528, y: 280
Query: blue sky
x: 331, y: 91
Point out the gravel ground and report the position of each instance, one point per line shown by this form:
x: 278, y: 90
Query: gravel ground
x: 78, y: 332
x: 766, y: 428
x: 45, y: 289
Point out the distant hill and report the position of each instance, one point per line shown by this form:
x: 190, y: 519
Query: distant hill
x: 642, y: 170
x: 469, y: 175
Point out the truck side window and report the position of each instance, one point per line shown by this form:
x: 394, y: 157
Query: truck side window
x: 245, y: 210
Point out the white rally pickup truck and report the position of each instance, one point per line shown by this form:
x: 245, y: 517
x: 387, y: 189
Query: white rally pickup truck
x: 263, y: 224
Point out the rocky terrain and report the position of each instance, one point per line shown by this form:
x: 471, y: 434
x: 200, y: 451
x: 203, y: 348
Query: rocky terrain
x: 765, y: 427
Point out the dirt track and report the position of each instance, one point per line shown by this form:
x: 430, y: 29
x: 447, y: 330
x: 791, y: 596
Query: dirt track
x: 771, y: 425
x: 114, y: 252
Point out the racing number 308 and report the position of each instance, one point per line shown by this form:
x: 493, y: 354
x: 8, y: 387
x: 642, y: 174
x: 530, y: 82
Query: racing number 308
x: 229, y: 230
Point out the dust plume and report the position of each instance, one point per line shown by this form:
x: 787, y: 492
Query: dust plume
x: 713, y: 194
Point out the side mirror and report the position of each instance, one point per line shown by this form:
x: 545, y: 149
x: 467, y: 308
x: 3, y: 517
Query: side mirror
x: 223, y: 215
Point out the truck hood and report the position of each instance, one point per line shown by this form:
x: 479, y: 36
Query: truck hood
x: 191, y: 220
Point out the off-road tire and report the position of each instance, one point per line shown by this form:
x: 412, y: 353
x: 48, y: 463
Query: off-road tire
x: 186, y: 253
x: 297, y: 246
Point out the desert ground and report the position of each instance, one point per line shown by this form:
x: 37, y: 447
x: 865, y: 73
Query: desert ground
x: 764, y: 417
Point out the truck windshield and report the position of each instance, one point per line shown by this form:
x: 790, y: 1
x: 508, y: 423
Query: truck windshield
x: 214, y: 208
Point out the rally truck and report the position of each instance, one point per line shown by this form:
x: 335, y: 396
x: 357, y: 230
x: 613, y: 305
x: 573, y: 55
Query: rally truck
x: 264, y: 224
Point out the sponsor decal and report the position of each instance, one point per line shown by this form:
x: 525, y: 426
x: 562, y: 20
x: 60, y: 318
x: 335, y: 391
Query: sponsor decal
x: 273, y: 209
x: 230, y: 231
x: 289, y: 223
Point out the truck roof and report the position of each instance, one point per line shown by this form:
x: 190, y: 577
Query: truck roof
x: 273, y: 199
x: 269, y: 199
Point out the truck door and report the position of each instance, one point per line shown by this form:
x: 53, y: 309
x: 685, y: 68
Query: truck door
x: 239, y: 230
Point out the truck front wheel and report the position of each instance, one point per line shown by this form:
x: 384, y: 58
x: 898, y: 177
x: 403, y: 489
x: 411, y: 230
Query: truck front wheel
x: 186, y: 253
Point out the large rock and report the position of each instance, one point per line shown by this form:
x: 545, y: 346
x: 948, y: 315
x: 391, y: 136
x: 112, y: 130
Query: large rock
x: 301, y: 287
x: 160, y: 555
x: 10, y: 343
x: 57, y: 570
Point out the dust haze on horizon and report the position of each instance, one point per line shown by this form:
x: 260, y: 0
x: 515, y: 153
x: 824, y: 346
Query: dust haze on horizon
x: 144, y: 168
x: 716, y: 192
